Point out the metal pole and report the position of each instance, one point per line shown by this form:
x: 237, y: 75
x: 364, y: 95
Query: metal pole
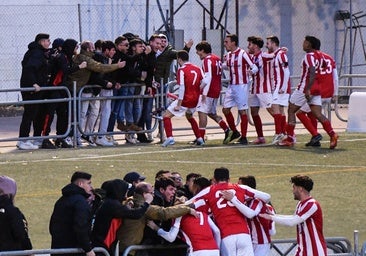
x: 355, y: 238
x: 79, y: 17
x: 171, y: 22
x: 147, y: 20
x: 74, y: 124
x: 350, y: 40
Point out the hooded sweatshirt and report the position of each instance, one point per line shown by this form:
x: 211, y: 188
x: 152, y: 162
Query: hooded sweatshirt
x: 109, y: 217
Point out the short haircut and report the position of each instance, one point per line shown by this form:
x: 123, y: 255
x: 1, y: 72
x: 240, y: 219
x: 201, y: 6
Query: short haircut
x: 303, y: 181
x: 108, y: 45
x: 98, y: 44
x: 221, y: 174
x: 161, y: 173
x: 313, y: 41
x: 274, y: 39
x: 249, y: 180
x: 119, y: 40
x: 163, y: 182
x: 205, y: 46
x: 317, y: 44
x: 135, y: 42
x: 86, y: 45
x: 192, y: 175
x: 141, y: 188
x: 202, y: 182
x: 183, y: 55
x: 80, y: 175
x: 256, y: 40
x: 233, y: 38
x: 153, y: 37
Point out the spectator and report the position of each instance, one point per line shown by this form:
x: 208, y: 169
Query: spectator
x: 178, y: 181
x: 34, y: 75
x: 133, y: 178
x: 13, y: 225
x: 70, y: 223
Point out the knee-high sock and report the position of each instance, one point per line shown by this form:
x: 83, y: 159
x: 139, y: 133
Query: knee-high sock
x: 230, y: 121
x: 290, y: 130
x: 244, y: 125
x: 194, y: 126
x: 202, y: 132
x: 307, y: 123
x: 277, y: 120
x: 168, y: 127
x: 283, y: 124
x: 258, y: 125
x: 327, y: 126
x: 313, y: 120
x: 223, y: 125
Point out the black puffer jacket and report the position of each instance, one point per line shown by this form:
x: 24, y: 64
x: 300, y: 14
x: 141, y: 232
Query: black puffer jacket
x: 13, y: 227
x: 109, y: 217
x: 70, y: 224
x: 35, y: 69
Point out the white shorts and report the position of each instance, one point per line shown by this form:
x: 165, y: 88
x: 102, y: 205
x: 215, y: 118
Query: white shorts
x: 209, y: 107
x: 236, y: 96
x: 182, y: 110
x: 262, y: 249
x: 241, y: 244
x: 298, y: 98
x: 325, y: 101
x: 205, y: 253
x: 262, y: 100
x: 280, y: 99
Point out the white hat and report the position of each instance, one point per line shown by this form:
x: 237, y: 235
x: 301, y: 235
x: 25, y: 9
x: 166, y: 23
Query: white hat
x: 8, y: 185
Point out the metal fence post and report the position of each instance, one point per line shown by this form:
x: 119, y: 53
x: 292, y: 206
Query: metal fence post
x: 74, y: 121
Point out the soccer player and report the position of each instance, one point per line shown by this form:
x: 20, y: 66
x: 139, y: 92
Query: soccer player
x: 327, y: 76
x: 189, y: 78
x: 232, y: 223
x: 281, y: 87
x: 212, y: 69
x: 240, y: 66
x: 308, y: 92
x: 308, y: 217
x: 260, y: 92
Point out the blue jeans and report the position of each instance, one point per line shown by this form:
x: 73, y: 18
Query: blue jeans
x: 125, y: 111
x: 146, y: 118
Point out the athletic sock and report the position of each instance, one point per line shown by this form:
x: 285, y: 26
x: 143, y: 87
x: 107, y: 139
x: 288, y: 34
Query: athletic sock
x: 327, y: 126
x: 230, y: 121
x: 168, y: 127
x: 258, y: 125
x: 194, y: 126
x: 277, y: 120
x: 307, y: 123
x: 244, y: 125
x: 223, y: 125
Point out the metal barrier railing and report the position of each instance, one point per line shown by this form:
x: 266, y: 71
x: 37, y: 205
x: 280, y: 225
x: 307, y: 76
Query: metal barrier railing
x: 52, y: 251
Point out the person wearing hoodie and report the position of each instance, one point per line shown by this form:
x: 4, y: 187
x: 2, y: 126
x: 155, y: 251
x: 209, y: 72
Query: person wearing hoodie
x: 70, y: 224
x: 110, y: 215
x: 13, y: 225
x: 34, y: 75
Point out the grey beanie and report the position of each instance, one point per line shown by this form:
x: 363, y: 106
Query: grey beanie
x: 8, y: 185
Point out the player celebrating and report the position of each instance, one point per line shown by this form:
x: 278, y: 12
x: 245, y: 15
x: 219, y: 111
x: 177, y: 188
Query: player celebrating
x: 240, y: 66
x: 211, y: 83
x: 189, y: 78
x: 308, y: 217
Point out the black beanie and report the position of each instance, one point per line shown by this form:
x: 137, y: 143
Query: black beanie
x: 41, y: 36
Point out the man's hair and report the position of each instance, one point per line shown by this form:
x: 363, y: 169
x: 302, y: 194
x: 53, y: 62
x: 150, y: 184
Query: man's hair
x: 192, y: 175
x: 202, y: 182
x: 256, y: 40
x: 98, y: 44
x: 205, y: 46
x: 317, y: 44
x: 274, y: 39
x: 303, y: 181
x: 249, y: 180
x: 233, y: 38
x: 80, y: 175
x: 160, y: 173
x: 119, y: 40
x: 221, y: 174
x: 108, y: 45
x: 153, y: 37
x: 135, y: 42
x: 313, y: 41
x: 86, y: 45
x: 163, y: 182
x: 183, y: 55
x: 141, y: 188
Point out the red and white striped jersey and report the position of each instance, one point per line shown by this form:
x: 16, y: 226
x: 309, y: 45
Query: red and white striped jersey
x: 325, y: 74
x: 262, y: 79
x: 281, y: 72
x: 227, y: 217
x: 310, y: 237
x: 311, y: 59
x: 238, y: 63
x: 197, y: 233
x: 212, y: 69
x: 259, y: 227
x: 190, y: 76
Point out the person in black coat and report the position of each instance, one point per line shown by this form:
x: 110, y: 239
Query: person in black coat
x: 13, y: 225
x: 70, y: 224
x: 111, y: 213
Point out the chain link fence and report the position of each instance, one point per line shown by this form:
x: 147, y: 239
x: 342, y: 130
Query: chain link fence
x: 290, y: 20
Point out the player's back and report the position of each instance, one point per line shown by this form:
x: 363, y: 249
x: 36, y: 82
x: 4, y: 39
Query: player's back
x: 325, y: 75
x: 190, y: 75
x: 212, y: 63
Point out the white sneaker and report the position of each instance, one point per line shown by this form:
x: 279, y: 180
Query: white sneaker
x: 102, y: 141
x: 26, y: 145
x: 68, y: 141
x: 168, y: 141
x: 130, y: 138
x: 36, y: 142
x: 110, y: 138
x: 277, y: 138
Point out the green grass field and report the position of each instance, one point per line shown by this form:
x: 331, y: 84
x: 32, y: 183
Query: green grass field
x: 339, y: 176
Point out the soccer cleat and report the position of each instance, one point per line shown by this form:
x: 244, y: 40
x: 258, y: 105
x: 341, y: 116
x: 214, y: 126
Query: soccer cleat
x: 235, y: 135
x: 277, y: 138
x: 47, y: 144
x: 193, y: 142
x: 102, y: 141
x: 243, y: 141
x: 228, y: 135
x: 200, y: 142
x: 333, y: 141
x: 168, y: 141
x: 258, y: 141
x: 26, y: 145
x: 314, y: 140
x: 288, y: 142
